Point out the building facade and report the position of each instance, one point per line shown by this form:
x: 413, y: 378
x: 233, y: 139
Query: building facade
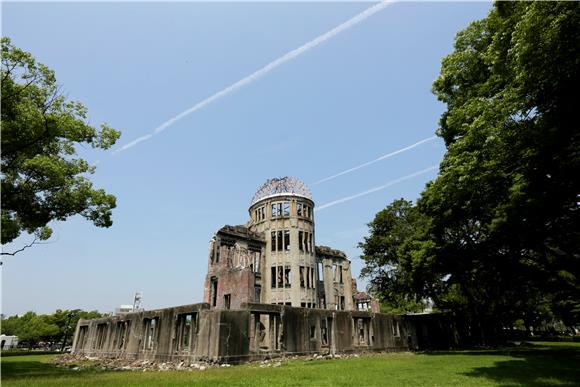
x: 273, y: 258
x: 269, y: 291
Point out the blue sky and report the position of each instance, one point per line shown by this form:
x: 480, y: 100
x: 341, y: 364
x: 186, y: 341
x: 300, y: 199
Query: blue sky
x: 362, y: 94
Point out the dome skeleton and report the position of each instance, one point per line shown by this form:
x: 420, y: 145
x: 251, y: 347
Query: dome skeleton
x: 282, y: 186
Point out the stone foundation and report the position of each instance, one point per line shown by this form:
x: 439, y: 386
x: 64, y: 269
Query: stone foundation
x: 194, y: 333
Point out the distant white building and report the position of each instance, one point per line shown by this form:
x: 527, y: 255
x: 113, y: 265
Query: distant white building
x: 123, y: 309
x: 7, y: 342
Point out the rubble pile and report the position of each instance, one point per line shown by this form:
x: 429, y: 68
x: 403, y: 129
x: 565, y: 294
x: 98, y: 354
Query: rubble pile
x: 77, y: 362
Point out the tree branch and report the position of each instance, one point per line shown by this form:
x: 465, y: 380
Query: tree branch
x: 19, y: 250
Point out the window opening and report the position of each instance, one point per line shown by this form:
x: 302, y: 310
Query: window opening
x: 280, y: 277
x: 257, y: 293
x: 287, y: 240
x: 287, y: 277
x: 280, y: 241
x: 396, y: 331
x: 324, y: 331
x: 273, y: 241
x: 214, y: 290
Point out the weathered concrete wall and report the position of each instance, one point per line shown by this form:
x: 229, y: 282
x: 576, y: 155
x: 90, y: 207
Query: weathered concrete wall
x: 195, y: 332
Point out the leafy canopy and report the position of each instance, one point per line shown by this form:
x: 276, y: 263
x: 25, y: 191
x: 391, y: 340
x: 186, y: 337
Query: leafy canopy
x: 43, y: 179
x: 32, y: 328
x: 503, y: 216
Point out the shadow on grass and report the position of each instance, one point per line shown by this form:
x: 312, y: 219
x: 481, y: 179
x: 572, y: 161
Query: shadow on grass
x: 17, y: 369
x: 532, y: 365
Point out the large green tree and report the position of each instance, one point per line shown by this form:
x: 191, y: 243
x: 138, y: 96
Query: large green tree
x: 43, y: 179
x: 504, y: 214
x: 390, y: 254
x: 32, y: 328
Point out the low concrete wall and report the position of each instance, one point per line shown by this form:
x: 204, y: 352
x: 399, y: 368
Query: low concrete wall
x: 195, y: 333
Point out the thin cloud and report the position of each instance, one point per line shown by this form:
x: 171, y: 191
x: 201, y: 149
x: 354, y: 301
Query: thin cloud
x: 263, y: 71
x: 375, y: 189
x: 402, y: 150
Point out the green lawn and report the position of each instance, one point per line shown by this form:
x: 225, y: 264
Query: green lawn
x: 539, y: 365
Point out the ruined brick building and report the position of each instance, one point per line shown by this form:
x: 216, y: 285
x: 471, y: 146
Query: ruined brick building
x: 269, y: 291
x: 273, y: 259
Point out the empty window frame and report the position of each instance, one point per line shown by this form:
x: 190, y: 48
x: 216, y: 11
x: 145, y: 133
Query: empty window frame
x: 280, y: 242
x: 300, y: 239
x: 302, y: 277
x: 280, y: 276
x: 364, y: 331
x: 273, y: 241
x: 323, y: 331
x: 260, y: 214
x: 307, y: 211
x: 287, y: 277
x: 213, y: 291
x: 227, y: 301
x: 320, y: 271
x: 299, y: 209
x: 396, y: 331
x: 286, y: 240
x: 340, y: 274
x: 280, y: 209
x: 83, y: 330
x: 150, y: 332
x: 101, y: 336
x: 217, y: 252
x: 184, y: 330
x: 121, y: 334
x: 273, y: 276
x: 257, y: 293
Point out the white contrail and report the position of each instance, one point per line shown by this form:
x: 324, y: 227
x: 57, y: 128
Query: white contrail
x: 369, y: 191
x: 133, y: 143
x: 376, y: 160
x: 264, y: 70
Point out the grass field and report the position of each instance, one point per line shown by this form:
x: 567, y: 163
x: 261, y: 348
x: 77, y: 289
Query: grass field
x: 542, y: 364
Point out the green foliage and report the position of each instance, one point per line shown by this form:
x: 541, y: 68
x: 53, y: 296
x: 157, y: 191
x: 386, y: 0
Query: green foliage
x: 504, y: 209
x: 43, y: 179
x: 32, y: 328
x: 392, y: 254
x: 502, y: 240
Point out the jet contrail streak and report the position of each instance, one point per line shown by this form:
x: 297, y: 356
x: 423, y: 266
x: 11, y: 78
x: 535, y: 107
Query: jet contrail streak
x: 376, y: 160
x: 375, y: 189
x: 264, y: 70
